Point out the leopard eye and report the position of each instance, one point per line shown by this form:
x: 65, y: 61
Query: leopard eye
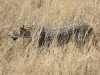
x: 24, y: 34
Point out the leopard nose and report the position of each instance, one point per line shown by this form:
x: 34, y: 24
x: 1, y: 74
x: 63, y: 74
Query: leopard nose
x: 14, y: 37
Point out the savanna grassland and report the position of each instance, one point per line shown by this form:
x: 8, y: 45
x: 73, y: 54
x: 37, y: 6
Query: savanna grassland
x: 20, y: 58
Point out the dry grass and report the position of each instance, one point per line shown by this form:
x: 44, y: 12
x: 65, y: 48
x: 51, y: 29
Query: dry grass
x: 20, y: 58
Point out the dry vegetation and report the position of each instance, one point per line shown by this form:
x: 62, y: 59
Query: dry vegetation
x: 20, y: 58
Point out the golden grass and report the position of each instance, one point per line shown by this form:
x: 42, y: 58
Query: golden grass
x: 20, y: 58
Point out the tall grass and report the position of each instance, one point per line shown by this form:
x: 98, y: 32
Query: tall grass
x: 20, y: 58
